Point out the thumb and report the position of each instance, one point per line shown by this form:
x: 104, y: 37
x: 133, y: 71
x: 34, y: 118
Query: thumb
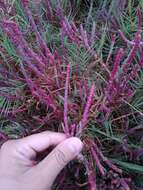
x: 58, y: 159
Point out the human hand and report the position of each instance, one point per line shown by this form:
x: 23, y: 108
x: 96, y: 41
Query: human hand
x: 18, y: 166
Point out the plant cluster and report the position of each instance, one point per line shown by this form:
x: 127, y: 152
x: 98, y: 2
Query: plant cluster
x: 55, y: 73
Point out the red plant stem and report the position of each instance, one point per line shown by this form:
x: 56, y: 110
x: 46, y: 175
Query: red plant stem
x: 125, y: 185
x: 91, y: 176
x: 92, y: 38
x: 13, y: 31
x: 76, y: 33
x: 134, y: 73
x: 27, y: 50
x: 100, y: 167
x: 62, y: 40
x: 87, y: 107
x: 111, y: 166
x: 10, y: 97
x: 32, y: 54
x: 116, y: 64
x: 30, y: 64
x: 14, y: 111
x: 125, y: 39
x: 139, y: 29
x: 49, y: 12
x: 59, y: 11
x: 73, y: 128
x: 38, y: 92
x: 25, y: 2
x: 56, y: 76
x: 40, y: 41
x: 84, y: 37
x: 96, y: 151
x: 90, y: 171
x: 111, y: 49
x: 43, y: 58
x: 32, y: 67
x: 128, y: 41
x: 132, y: 53
x: 81, y: 93
x: 134, y: 49
x: 71, y: 31
x: 29, y: 81
x: 139, y: 16
x: 63, y: 46
x: 74, y: 28
x: 85, y: 41
x: 66, y: 127
x: 70, y: 27
x: 68, y: 30
x: 141, y: 59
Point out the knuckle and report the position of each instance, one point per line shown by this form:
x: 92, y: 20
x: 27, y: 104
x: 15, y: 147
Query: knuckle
x: 7, y: 145
x: 61, y: 157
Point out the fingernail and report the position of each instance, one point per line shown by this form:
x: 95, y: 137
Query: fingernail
x: 75, y: 145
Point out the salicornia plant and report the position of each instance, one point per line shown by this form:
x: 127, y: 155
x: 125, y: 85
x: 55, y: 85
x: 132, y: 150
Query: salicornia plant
x: 57, y: 71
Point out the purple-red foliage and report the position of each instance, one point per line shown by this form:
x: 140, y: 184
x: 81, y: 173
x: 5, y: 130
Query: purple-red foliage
x: 113, y: 172
x: 112, y: 18
x: 139, y: 28
x: 44, y: 72
x: 79, y: 36
x: 114, y: 181
x: 118, y: 88
x: 50, y: 81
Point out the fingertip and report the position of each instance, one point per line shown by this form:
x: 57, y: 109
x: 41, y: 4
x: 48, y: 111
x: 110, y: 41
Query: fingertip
x: 65, y: 152
x: 75, y: 145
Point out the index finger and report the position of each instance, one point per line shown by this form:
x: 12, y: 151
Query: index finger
x: 36, y: 143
